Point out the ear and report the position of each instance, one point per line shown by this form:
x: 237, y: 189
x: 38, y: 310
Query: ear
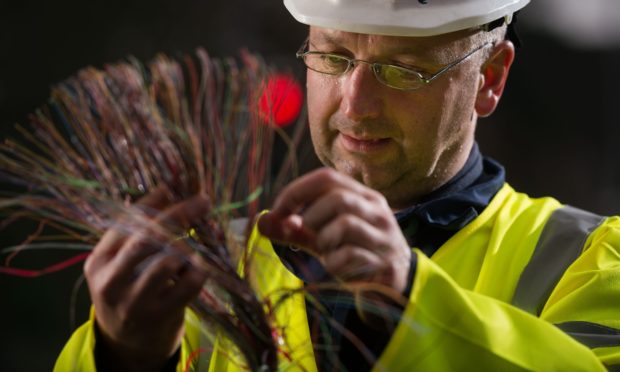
x: 493, y: 75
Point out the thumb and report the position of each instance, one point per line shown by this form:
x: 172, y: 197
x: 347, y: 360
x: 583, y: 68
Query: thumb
x: 287, y: 230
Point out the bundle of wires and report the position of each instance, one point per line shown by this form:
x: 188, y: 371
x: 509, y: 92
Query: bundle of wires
x: 108, y: 137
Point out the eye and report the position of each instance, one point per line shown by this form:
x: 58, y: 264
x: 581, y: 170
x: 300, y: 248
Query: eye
x: 326, y: 63
x: 399, y: 76
x: 334, y: 61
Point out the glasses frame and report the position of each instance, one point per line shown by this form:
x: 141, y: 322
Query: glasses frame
x: 376, y: 67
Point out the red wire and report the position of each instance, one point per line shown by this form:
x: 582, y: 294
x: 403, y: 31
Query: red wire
x: 194, y: 354
x: 25, y: 273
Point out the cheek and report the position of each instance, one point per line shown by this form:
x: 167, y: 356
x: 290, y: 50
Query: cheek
x: 433, y: 121
x: 454, y: 108
x: 458, y: 118
x: 419, y: 117
x: 323, y: 100
x: 322, y: 95
x: 322, y: 104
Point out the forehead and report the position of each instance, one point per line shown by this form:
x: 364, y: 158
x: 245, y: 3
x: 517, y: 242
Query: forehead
x: 446, y: 43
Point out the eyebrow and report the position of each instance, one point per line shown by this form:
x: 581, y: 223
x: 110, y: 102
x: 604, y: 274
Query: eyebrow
x: 398, y: 50
x: 324, y: 38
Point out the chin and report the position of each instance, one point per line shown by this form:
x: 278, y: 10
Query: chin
x: 375, y: 177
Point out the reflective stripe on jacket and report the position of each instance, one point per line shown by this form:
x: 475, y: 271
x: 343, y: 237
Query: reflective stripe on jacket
x: 463, y: 311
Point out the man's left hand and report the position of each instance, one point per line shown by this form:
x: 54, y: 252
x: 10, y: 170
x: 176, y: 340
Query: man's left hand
x: 349, y: 227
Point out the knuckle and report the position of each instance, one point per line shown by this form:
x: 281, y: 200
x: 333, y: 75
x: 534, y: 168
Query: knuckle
x: 377, y: 197
x: 352, y: 253
x: 342, y: 199
x: 188, y: 288
x: 390, y: 271
x: 143, y: 247
x: 171, y: 264
x: 89, y: 267
x: 129, y: 312
x: 383, y: 220
x: 106, y: 291
x: 195, y: 284
x: 326, y: 242
x: 100, y: 285
x: 328, y: 174
x: 347, y: 221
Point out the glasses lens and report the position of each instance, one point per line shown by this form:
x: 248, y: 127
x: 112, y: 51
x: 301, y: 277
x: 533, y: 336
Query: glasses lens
x: 398, y: 77
x: 326, y: 63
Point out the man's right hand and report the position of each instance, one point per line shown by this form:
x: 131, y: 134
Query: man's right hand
x: 140, y: 289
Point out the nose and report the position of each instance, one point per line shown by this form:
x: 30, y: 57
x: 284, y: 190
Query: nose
x: 361, y: 93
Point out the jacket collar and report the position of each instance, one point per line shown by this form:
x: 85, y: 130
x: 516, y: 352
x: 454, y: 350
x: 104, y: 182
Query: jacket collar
x: 451, y: 207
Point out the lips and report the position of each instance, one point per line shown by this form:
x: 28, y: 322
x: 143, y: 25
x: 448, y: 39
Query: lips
x: 362, y: 144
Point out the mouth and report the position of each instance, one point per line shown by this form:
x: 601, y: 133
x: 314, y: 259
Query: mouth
x: 363, y: 144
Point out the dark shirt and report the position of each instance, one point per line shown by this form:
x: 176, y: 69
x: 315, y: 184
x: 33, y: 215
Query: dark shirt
x: 427, y: 226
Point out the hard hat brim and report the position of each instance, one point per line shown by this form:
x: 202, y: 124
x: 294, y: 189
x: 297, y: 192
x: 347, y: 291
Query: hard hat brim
x: 397, y: 18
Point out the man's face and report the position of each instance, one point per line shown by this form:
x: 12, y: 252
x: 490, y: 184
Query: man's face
x: 402, y: 143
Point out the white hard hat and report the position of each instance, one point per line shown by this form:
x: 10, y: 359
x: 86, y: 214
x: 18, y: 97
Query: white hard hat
x: 402, y: 17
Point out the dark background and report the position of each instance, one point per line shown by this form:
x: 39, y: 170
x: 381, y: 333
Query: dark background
x: 556, y: 130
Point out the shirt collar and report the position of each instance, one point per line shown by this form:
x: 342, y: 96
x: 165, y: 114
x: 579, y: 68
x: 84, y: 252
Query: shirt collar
x: 460, y: 200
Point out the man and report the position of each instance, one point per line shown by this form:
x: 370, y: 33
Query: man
x: 394, y: 92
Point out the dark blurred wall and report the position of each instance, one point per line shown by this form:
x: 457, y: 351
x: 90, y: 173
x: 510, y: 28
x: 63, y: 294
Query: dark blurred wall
x: 555, y: 131
x: 558, y: 125
x: 44, y: 42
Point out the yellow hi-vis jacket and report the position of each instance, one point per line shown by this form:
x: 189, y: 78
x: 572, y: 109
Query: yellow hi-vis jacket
x: 529, y: 285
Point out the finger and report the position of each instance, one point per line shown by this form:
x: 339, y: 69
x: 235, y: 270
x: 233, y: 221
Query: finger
x: 157, y: 199
x: 338, y: 202
x: 349, y: 229
x: 115, y: 278
x: 119, y: 274
x: 303, y: 191
x: 282, y: 224
x: 105, y: 249
x: 127, y: 253
x: 184, y: 214
x: 287, y: 230
x: 150, y: 205
x: 108, y: 247
x: 156, y: 277
x: 352, y: 263
x: 147, y: 208
x: 169, y: 226
x: 114, y: 238
x: 189, y: 282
